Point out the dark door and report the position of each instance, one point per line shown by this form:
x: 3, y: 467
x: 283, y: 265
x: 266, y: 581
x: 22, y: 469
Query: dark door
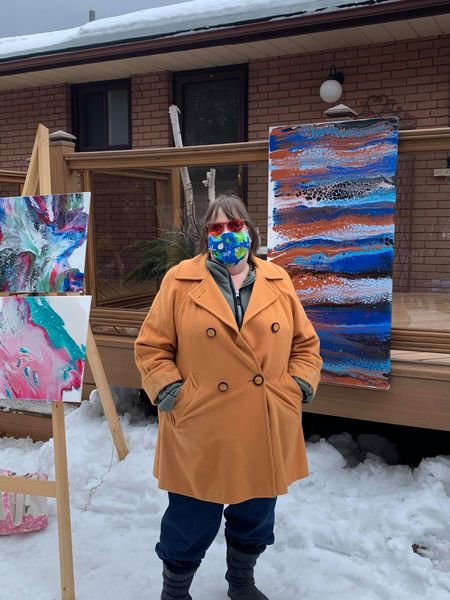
x: 213, y: 104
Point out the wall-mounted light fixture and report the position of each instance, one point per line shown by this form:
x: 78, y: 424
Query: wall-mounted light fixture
x: 331, y: 89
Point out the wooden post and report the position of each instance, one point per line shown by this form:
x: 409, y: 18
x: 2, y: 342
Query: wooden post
x: 63, y: 503
x: 39, y: 165
x: 104, y: 391
x: 175, y: 194
x: 63, y: 180
x: 92, y: 353
x: 90, y: 275
x: 43, y: 145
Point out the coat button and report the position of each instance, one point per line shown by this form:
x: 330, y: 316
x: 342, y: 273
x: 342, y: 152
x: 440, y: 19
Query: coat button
x: 275, y: 327
x: 223, y: 386
x: 210, y: 332
x: 258, y: 379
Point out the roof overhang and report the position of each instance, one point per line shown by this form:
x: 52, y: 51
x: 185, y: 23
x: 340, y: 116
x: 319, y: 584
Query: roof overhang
x: 18, y: 72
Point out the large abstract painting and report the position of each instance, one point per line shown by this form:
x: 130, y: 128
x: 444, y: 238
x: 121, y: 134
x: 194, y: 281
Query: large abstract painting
x: 43, y: 243
x: 43, y: 347
x: 331, y: 225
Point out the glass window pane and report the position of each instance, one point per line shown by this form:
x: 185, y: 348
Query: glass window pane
x: 211, y: 111
x: 94, y: 119
x: 118, y: 120
x: 125, y: 213
x: 422, y: 244
x: 228, y: 179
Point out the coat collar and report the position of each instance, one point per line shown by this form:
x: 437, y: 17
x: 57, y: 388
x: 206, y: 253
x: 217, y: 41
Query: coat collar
x: 195, y: 269
x: 208, y: 295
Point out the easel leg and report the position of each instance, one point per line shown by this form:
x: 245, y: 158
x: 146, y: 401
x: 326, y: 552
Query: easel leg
x: 101, y: 382
x: 62, y: 503
x: 38, y: 175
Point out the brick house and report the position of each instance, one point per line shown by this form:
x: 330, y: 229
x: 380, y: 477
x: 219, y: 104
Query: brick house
x: 234, y: 75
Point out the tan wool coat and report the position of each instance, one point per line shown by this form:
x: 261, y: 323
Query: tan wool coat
x: 235, y: 431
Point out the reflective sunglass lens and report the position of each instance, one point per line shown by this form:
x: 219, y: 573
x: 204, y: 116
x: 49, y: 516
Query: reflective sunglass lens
x: 216, y: 229
x: 235, y: 225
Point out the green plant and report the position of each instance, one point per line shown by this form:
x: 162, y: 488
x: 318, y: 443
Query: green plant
x: 162, y: 253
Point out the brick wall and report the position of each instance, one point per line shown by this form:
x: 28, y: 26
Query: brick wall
x: 9, y: 189
x: 151, y: 97
x: 416, y: 75
x: 21, y: 111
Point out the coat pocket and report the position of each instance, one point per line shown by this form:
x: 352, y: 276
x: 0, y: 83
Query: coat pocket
x: 185, y: 399
x: 290, y: 392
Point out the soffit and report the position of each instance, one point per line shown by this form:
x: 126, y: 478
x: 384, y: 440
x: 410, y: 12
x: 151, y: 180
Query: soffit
x: 234, y: 54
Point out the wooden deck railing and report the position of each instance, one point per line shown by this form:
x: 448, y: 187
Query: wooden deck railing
x: 410, y: 141
x: 14, y: 177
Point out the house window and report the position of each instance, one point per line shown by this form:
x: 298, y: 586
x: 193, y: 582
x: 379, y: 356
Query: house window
x: 213, y: 105
x: 102, y: 116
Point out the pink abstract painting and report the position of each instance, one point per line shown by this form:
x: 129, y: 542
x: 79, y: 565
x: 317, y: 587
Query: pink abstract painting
x: 43, y: 347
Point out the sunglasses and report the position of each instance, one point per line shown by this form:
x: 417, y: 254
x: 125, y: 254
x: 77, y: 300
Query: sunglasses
x: 235, y: 225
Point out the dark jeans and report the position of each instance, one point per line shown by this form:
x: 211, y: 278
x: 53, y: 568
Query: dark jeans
x: 189, y: 527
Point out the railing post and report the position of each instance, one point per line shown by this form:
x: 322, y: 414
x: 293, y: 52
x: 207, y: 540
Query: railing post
x: 176, y: 197
x: 63, y: 180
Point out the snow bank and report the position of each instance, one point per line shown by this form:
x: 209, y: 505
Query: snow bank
x: 344, y: 533
x: 160, y: 21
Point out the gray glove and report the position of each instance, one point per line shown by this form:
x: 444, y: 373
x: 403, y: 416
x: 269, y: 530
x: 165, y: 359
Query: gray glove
x: 307, y: 391
x: 167, y: 396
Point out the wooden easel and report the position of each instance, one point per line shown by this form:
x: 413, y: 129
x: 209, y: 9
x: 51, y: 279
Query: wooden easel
x: 38, y: 180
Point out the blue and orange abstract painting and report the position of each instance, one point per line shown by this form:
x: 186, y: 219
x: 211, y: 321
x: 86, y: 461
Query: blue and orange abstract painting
x: 43, y: 243
x: 331, y: 226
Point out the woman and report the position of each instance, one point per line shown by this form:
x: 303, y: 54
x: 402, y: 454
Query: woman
x: 227, y: 353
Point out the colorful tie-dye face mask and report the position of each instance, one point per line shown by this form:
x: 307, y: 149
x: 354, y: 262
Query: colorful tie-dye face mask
x: 230, y: 247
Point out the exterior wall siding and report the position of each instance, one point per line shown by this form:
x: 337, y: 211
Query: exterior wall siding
x: 21, y: 111
x: 150, y: 100
x: 415, y: 74
x: 285, y: 91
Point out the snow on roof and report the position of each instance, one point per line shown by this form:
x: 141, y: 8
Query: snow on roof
x: 166, y: 20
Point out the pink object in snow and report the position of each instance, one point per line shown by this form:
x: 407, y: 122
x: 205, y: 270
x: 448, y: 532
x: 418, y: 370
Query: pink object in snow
x: 21, y: 513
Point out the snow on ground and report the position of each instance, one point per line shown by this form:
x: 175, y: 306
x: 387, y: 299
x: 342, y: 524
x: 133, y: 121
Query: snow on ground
x: 344, y: 533
x: 164, y: 20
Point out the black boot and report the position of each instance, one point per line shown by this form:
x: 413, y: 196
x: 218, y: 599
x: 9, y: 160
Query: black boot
x: 176, y: 585
x: 241, y: 583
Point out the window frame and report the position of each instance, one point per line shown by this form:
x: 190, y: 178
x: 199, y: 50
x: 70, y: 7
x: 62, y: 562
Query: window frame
x: 78, y: 92
x: 240, y: 72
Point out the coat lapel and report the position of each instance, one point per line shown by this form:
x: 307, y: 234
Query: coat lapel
x: 207, y: 293
x: 264, y: 293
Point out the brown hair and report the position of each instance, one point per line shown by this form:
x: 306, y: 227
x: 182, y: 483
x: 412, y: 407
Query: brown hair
x: 234, y: 208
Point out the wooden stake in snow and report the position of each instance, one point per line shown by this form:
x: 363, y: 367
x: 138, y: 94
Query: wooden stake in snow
x: 192, y: 227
